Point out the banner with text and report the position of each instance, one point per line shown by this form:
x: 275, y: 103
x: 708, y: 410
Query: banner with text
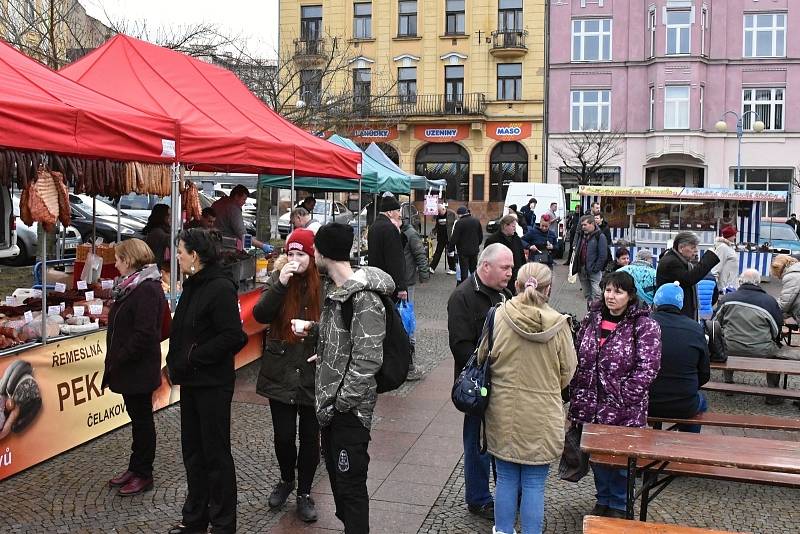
x: 508, y: 131
x: 441, y: 134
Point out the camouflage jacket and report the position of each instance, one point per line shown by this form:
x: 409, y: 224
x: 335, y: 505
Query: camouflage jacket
x: 358, y: 391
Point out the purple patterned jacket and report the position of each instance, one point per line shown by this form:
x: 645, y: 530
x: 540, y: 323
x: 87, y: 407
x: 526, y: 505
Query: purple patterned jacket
x: 611, y: 383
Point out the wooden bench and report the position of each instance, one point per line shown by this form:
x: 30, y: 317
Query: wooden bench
x: 746, y: 389
x: 606, y: 525
x: 763, y: 422
x: 758, y: 365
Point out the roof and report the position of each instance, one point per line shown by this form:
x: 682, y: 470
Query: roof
x: 44, y: 111
x: 223, y: 126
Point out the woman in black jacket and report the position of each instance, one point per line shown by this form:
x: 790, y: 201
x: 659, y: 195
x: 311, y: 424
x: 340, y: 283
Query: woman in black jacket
x: 133, y: 356
x: 157, y: 232
x: 205, y: 336
x: 287, y: 368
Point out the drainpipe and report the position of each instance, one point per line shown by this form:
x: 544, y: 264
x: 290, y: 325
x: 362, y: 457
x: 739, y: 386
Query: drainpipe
x: 546, y: 114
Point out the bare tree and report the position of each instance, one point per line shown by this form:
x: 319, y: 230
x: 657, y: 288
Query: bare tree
x: 584, y: 154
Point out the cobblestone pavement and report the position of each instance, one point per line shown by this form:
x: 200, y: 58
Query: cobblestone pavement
x: 69, y: 494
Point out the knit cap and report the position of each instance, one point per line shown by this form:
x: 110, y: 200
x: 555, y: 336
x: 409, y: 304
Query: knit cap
x: 669, y: 295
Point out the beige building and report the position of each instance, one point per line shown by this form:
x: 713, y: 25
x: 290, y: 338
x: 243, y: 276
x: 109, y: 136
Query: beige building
x: 451, y: 89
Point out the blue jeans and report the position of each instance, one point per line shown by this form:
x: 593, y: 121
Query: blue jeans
x: 476, y: 465
x: 511, y: 478
x: 611, y: 484
x: 702, y: 407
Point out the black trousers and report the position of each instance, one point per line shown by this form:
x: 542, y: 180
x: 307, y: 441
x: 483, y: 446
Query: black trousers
x: 206, y: 444
x: 143, y: 448
x: 284, y: 426
x: 468, y: 264
x: 344, y: 444
x: 441, y: 247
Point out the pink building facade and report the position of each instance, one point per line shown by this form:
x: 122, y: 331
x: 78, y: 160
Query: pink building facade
x: 659, y: 75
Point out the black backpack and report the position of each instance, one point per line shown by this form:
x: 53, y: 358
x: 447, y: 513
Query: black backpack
x: 397, y: 348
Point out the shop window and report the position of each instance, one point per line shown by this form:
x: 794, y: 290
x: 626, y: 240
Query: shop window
x: 766, y: 180
x: 508, y: 163
x: 448, y: 161
x: 407, y: 23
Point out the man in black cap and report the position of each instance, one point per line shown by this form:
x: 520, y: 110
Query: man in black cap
x: 385, y: 245
x: 466, y: 240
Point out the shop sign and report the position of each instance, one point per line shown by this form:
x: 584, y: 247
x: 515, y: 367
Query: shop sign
x: 508, y: 131
x: 374, y: 134
x: 441, y: 134
x: 734, y: 194
x: 614, y: 191
x: 686, y: 193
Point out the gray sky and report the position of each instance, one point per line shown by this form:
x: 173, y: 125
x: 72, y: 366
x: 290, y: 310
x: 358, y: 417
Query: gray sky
x: 255, y: 20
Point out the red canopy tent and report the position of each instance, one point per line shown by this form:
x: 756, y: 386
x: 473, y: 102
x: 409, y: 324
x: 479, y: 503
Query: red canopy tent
x: 43, y: 111
x: 223, y: 126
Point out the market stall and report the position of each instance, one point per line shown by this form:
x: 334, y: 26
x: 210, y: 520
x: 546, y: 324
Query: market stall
x: 650, y: 217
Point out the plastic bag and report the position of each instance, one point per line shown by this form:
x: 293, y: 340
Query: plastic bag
x: 92, y: 268
x: 406, y: 310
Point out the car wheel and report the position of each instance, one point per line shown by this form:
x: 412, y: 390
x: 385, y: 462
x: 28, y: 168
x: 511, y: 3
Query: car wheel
x: 20, y: 259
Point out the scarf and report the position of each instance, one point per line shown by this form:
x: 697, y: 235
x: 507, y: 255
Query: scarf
x: 132, y: 281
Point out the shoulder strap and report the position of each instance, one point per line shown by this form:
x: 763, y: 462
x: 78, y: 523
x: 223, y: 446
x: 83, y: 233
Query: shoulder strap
x: 347, y: 312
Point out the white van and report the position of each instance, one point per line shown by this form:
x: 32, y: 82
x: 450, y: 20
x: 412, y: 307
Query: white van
x: 8, y: 231
x: 519, y: 193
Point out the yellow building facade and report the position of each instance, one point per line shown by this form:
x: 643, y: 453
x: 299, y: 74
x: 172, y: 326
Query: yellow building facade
x: 451, y: 89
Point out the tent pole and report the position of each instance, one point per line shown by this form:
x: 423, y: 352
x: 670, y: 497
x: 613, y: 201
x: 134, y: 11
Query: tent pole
x: 119, y: 237
x: 292, y: 202
x: 44, y: 285
x: 358, y: 227
x: 177, y: 172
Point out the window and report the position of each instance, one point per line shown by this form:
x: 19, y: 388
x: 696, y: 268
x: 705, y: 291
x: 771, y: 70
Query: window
x: 766, y: 180
x: 679, y: 28
x: 590, y: 110
x: 651, y: 26
x: 703, y: 28
x: 765, y: 35
x: 702, y: 98
x: 454, y: 16
x: 407, y: 25
x: 652, y: 121
x: 310, y: 86
x: 509, y: 81
x: 362, y: 89
x: 407, y: 84
x: 676, y: 107
x: 362, y: 20
x: 767, y: 103
x: 448, y: 161
x: 310, y: 23
x: 508, y: 163
x: 509, y: 17
x: 591, y: 40
x: 454, y: 87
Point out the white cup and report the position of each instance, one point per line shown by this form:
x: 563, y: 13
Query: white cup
x: 299, y: 326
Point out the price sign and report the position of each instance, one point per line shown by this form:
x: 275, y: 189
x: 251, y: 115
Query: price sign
x: 53, y: 310
x: 61, y: 288
x: 82, y: 285
x: 78, y: 311
x: 431, y: 205
x: 36, y: 293
x: 95, y: 309
x: 11, y: 301
x: 28, y: 316
x: 107, y: 284
x: 90, y: 295
x: 63, y: 306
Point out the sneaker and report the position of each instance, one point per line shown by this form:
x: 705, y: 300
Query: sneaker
x: 599, y: 510
x: 413, y: 375
x: 280, y: 493
x: 306, y: 510
x: 450, y: 271
x: 431, y: 270
x: 616, y: 514
x: 485, y: 511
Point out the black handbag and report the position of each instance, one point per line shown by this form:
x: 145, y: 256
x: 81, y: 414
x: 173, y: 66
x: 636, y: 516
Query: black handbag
x: 470, y: 393
x: 574, y: 462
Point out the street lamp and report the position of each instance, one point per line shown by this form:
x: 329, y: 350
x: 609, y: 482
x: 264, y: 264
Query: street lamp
x: 722, y: 127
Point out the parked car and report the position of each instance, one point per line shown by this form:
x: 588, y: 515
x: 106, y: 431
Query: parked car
x: 8, y: 232
x: 137, y: 206
x: 28, y: 240
x: 106, y: 220
x: 779, y: 237
x: 335, y: 211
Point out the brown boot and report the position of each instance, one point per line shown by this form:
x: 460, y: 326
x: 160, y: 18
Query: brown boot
x: 121, y: 479
x: 136, y: 486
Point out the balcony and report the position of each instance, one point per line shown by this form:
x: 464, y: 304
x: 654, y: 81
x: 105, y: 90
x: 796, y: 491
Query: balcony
x: 509, y: 44
x: 421, y: 106
x: 310, y: 51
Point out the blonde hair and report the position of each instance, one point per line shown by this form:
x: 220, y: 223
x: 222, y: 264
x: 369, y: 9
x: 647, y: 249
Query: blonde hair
x: 135, y: 252
x: 533, y: 279
x: 779, y: 265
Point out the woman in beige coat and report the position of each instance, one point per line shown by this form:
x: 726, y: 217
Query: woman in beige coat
x: 533, y: 358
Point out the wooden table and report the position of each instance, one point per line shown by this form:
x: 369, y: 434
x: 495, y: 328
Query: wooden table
x: 759, y: 365
x: 663, y: 446
x: 606, y: 525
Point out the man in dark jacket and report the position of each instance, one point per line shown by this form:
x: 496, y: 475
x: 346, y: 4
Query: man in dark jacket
x: 466, y: 241
x: 685, y: 364
x: 507, y: 235
x: 541, y: 241
x: 793, y: 222
x: 441, y: 231
x: 751, y: 321
x: 416, y: 256
x: 466, y: 312
x: 591, y: 255
x: 675, y: 266
x: 385, y: 245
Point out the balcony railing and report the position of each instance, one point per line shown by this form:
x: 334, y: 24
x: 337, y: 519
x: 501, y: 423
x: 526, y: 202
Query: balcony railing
x: 504, y: 39
x: 310, y: 48
x: 421, y: 105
